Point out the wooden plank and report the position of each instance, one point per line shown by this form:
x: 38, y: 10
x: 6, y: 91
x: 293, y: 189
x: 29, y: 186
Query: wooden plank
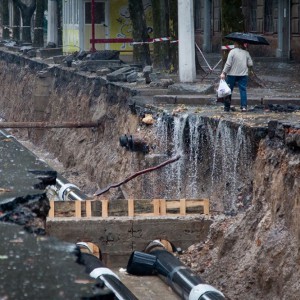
x: 156, y: 207
x: 130, y: 207
x: 51, y: 211
x: 104, y: 208
x: 88, y: 208
x: 195, y: 203
x: 171, y: 204
x: 78, y: 209
x: 163, y: 207
x: 144, y: 215
x: 206, y: 207
x: 141, y: 206
x: 182, y: 207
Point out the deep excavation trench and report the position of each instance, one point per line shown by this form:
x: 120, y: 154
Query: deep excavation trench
x: 249, y: 173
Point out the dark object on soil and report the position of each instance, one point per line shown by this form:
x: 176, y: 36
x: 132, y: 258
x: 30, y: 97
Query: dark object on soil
x: 132, y: 107
x: 124, y: 141
x: 248, y: 38
x: 46, y: 177
x: 104, y: 55
x: 51, y: 45
x: 100, y: 192
x: 179, y: 277
x: 283, y: 108
x: 81, y: 55
x: 134, y: 144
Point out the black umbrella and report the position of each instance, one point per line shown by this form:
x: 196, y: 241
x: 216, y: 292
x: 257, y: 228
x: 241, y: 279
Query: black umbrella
x: 248, y: 38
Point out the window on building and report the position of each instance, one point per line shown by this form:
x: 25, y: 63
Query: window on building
x: 270, y: 20
x: 253, y: 16
x: 99, y: 13
x: 295, y: 14
x: 198, y: 14
x: 216, y: 15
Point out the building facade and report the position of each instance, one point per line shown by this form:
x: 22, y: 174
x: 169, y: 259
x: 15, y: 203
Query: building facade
x: 277, y: 20
x: 111, y: 21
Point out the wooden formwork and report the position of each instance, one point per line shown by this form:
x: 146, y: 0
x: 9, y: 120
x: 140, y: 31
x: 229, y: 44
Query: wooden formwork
x: 130, y: 208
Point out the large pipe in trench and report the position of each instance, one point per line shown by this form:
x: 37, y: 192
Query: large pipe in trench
x: 179, y: 277
x: 96, y: 269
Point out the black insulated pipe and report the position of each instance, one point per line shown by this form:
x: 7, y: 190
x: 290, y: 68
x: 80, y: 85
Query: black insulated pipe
x: 96, y: 269
x: 180, y: 278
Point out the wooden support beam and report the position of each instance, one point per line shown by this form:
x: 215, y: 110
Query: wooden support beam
x: 52, y: 208
x: 88, y: 208
x: 104, y: 208
x: 206, y: 206
x: 144, y: 208
x: 156, y: 207
x: 163, y: 207
x: 182, y: 207
x: 130, y: 208
x: 78, y: 209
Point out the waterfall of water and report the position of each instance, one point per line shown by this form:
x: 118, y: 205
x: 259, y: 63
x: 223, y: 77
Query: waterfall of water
x: 215, y: 159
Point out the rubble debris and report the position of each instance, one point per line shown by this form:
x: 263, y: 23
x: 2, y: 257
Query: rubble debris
x: 148, y: 119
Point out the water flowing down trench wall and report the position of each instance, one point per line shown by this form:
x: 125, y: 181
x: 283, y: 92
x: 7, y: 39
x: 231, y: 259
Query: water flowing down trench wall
x: 216, y: 160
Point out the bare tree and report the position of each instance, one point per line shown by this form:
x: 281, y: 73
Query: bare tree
x: 5, y: 19
x: 27, y: 13
x: 232, y: 20
x: 141, y: 52
x: 38, y: 38
x: 16, y: 23
x: 59, y: 22
x: 160, y: 12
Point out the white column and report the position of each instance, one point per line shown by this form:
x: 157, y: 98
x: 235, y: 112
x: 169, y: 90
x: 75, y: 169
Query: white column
x: 52, y: 22
x: 186, y: 44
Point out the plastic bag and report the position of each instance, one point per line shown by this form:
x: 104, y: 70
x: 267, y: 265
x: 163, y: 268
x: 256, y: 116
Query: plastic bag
x: 223, y: 89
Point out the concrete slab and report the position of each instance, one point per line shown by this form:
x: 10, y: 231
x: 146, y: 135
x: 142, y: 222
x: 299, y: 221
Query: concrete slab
x: 117, y: 237
x: 49, y: 52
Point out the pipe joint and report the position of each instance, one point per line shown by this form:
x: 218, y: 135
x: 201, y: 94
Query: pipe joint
x: 65, y: 189
x: 99, y: 272
x: 205, y: 292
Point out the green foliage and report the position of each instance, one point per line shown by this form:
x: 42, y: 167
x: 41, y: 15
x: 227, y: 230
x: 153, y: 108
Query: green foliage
x: 232, y: 16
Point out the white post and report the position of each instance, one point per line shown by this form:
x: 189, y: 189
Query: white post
x: 186, y: 43
x: 52, y: 22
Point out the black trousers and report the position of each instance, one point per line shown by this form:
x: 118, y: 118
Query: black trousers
x: 227, y: 103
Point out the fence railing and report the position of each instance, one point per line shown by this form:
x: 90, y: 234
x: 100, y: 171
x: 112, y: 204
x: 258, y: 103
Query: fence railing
x: 131, y: 208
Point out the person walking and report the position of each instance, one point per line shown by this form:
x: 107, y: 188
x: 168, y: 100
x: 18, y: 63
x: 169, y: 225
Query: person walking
x: 236, y: 71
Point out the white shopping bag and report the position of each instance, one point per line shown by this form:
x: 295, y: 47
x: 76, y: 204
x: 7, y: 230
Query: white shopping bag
x: 223, y: 89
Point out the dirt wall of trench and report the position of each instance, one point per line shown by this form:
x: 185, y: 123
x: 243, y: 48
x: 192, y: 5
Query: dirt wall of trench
x: 33, y: 91
x: 256, y: 255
